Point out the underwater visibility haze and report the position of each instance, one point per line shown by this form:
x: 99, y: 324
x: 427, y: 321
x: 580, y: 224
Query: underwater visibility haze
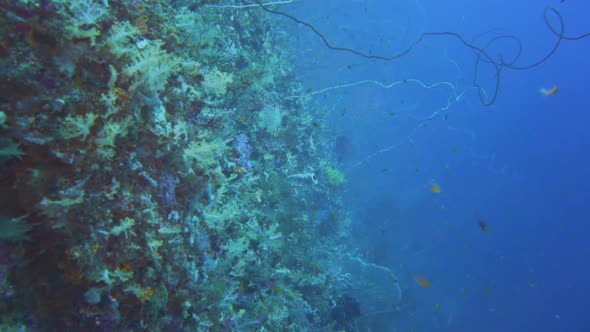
x: 296, y: 165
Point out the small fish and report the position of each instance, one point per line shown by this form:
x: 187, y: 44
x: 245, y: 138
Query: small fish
x: 423, y: 282
x: 549, y: 92
x: 483, y: 225
x: 127, y: 266
x: 437, y: 307
x: 435, y: 188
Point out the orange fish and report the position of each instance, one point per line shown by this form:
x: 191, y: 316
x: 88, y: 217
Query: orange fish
x: 549, y: 92
x: 435, y: 188
x: 423, y: 282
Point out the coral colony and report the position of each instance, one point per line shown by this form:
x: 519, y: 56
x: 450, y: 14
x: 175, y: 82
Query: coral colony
x: 156, y: 178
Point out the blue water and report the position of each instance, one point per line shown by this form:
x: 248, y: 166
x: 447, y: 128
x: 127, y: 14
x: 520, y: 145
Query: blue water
x: 520, y: 165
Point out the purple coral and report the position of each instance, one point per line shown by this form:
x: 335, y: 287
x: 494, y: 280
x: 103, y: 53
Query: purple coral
x: 244, y: 150
x: 166, y: 187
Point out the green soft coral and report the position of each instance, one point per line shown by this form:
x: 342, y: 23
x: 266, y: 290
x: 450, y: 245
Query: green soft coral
x: 203, y: 153
x: 9, y: 150
x: 77, y: 126
x: 334, y: 175
x: 151, y: 67
x: 83, y: 18
x: 216, y: 82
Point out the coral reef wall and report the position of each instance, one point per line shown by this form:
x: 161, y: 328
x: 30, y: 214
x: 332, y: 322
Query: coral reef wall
x: 156, y: 175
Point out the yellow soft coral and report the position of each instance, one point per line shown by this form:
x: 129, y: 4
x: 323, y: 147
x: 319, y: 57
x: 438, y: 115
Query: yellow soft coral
x: 76, y: 126
x: 215, y: 82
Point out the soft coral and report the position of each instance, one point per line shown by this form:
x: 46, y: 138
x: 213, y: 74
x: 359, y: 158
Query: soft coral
x: 83, y: 18
x: 86, y: 12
